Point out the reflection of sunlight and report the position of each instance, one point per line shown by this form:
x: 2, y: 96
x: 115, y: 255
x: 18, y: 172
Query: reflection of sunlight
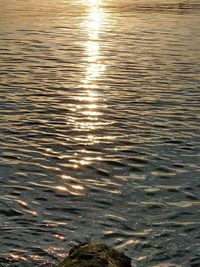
x: 92, y: 47
x: 61, y: 188
x: 93, y: 2
x: 88, y: 108
x: 91, y: 113
x: 72, y: 185
x: 67, y: 177
x: 61, y: 237
x: 93, y: 70
x: 17, y: 257
x: 94, y: 23
x: 78, y: 187
x: 72, y: 189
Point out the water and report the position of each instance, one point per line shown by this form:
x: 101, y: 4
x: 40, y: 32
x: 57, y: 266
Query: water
x: 99, y: 129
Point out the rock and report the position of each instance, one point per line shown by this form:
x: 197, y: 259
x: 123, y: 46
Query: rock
x: 95, y: 255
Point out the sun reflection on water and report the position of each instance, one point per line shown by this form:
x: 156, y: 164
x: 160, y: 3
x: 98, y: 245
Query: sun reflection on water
x: 88, y: 104
x: 95, y: 67
x: 93, y: 2
x: 88, y: 107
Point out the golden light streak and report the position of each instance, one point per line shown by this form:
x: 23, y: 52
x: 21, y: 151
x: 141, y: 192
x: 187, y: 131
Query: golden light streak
x: 67, y: 177
x: 61, y: 188
x: 72, y: 189
x: 128, y: 243
x: 22, y: 203
x: 78, y: 187
x: 61, y: 237
x: 17, y: 257
x: 93, y: 25
x: 94, y: 2
x: 87, y: 109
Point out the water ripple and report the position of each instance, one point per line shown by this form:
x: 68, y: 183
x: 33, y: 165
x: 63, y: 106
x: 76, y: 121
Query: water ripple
x: 99, y: 130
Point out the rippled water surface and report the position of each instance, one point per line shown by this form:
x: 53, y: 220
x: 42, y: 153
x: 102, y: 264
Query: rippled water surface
x: 99, y: 129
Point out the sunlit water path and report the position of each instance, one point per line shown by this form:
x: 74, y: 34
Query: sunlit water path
x: 99, y: 129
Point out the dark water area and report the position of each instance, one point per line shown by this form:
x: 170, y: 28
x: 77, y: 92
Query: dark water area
x: 100, y: 130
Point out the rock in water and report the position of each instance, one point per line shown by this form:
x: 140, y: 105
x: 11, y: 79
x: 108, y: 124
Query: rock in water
x: 95, y: 255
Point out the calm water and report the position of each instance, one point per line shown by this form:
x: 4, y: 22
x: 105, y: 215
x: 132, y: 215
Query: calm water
x: 100, y: 129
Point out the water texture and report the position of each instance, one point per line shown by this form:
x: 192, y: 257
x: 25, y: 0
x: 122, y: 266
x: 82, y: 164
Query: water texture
x: 100, y: 130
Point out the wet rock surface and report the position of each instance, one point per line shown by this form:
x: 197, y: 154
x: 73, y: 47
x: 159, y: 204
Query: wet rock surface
x: 95, y: 255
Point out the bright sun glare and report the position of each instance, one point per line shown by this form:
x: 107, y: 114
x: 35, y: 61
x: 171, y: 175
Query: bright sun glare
x: 92, y: 47
x: 94, y: 2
